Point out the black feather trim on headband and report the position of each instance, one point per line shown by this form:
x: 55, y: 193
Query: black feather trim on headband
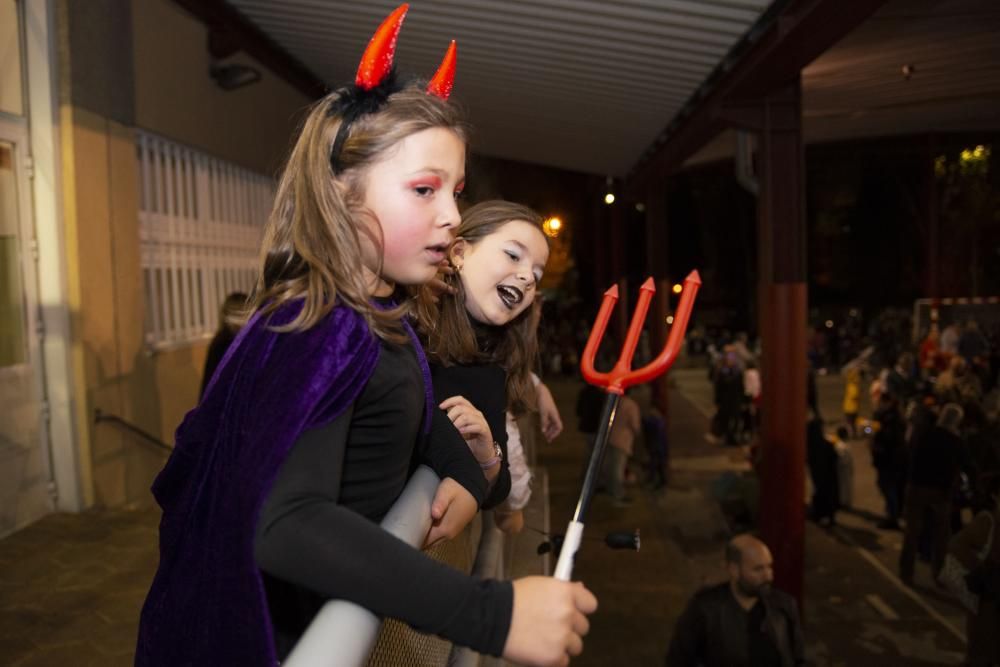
x: 354, y: 102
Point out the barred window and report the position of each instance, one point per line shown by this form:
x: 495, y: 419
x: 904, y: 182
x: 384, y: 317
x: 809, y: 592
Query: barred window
x: 200, y: 225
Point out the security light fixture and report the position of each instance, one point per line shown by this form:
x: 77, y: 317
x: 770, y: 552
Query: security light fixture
x: 233, y: 75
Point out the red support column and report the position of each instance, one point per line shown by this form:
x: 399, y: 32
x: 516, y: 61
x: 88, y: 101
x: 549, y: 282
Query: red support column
x: 782, y: 323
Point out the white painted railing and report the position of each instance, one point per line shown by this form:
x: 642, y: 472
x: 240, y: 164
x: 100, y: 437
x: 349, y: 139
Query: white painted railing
x: 200, y: 224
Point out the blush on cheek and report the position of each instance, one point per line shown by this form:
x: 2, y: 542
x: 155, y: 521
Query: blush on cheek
x: 402, y: 243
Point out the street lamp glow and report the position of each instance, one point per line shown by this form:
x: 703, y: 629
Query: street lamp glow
x: 609, y: 198
x: 678, y: 288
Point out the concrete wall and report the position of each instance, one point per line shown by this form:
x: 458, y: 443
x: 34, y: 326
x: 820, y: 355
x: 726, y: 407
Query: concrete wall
x: 10, y: 60
x: 161, y: 84
x: 175, y: 97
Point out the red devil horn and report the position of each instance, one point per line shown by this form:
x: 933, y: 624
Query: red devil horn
x: 377, y: 59
x: 444, y: 78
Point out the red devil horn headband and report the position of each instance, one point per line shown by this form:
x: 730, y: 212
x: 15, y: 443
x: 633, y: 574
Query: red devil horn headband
x: 376, y: 80
x: 444, y: 78
x: 376, y: 63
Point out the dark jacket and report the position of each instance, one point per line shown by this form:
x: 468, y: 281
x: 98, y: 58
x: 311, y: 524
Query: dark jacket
x: 712, y: 631
x: 889, y: 442
x: 936, y: 460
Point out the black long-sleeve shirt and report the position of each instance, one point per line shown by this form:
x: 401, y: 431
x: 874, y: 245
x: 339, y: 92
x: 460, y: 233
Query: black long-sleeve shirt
x: 485, y: 386
x: 317, y: 536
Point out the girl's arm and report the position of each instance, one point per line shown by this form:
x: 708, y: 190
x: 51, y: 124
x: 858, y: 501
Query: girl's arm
x: 306, y: 538
x: 445, y: 452
x: 548, y: 413
x: 477, y: 438
x: 509, y: 515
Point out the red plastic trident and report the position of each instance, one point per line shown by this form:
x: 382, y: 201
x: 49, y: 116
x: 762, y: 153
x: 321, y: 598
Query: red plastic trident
x: 615, y: 382
x: 622, y: 376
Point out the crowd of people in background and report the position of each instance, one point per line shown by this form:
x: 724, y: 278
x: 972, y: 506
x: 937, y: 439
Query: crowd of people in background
x: 933, y: 437
x: 927, y: 411
x: 935, y: 423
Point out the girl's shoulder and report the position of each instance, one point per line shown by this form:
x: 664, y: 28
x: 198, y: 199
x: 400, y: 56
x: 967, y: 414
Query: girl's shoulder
x: 341, y: 314
x: 342, y: 331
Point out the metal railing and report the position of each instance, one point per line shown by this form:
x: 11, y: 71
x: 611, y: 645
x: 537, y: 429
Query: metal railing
x: 106, y: 417
x: 343, y: 633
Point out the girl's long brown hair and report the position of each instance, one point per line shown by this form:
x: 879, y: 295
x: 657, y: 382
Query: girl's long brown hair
x: 451, y: 336
x: 312, y: 246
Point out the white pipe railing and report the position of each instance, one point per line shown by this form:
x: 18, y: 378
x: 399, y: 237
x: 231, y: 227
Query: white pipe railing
x: 343, y: 633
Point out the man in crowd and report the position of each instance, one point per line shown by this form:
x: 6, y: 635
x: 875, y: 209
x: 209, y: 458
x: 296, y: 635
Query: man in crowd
x: 740, y: 622
x: 729, y: 398
x: 888, y: 447
x: 936, y: 459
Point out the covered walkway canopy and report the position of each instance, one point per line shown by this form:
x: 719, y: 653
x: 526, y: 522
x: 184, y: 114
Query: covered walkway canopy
x: 635, y: 89
x: 602, y: 87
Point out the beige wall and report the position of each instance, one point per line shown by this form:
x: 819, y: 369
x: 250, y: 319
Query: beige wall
x: 10, y: 59
x: 175, y: 97
x: 112, y: 369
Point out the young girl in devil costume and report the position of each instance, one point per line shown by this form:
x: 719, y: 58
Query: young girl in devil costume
x: 308, y: 430
x: 481, y: 338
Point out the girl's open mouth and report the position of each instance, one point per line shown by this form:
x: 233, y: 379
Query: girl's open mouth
x: 511, y: 296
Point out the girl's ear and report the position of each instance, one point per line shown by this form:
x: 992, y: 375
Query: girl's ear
x: 456, y: 254
x: 341, y: 185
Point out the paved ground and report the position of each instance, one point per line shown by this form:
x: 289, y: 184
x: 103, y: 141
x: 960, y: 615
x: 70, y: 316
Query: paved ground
x: 71, y: 586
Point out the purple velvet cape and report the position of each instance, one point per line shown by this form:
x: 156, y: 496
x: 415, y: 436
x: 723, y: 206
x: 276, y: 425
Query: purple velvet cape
x: 207, y: 604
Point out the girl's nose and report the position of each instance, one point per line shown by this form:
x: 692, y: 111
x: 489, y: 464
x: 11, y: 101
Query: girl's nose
x: 450, y: 217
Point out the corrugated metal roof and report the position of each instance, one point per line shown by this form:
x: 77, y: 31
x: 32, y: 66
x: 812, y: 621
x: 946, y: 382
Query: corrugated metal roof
x: 580, y: 84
